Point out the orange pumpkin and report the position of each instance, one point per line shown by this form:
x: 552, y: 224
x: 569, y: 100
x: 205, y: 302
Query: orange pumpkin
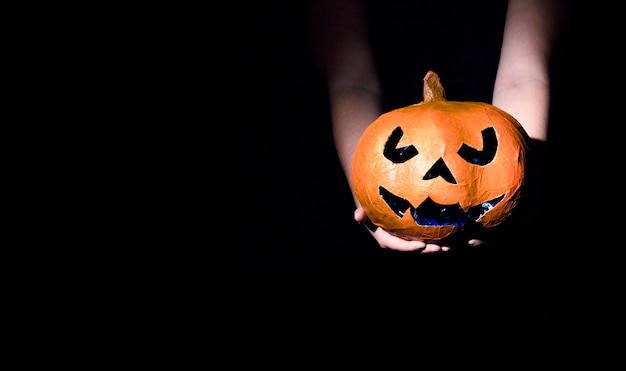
x: 431, y: 169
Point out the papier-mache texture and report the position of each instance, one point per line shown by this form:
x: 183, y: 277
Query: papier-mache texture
x: 428, y: 170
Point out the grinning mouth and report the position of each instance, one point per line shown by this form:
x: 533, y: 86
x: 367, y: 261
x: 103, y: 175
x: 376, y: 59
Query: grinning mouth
x: 432, y: 213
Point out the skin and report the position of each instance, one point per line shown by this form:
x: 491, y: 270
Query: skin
x: 338, y: 32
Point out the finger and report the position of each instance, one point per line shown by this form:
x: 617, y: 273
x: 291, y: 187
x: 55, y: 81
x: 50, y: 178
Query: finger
x: 431, y: 247
x: 359, y: 215
x: 361, y: 218
x: 475, y: 242
x: 388, y: 241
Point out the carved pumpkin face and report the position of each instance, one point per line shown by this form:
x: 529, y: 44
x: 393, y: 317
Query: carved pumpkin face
x: 428, y: 170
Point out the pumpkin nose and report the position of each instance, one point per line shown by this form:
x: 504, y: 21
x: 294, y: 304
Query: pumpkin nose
x: 440, y: 169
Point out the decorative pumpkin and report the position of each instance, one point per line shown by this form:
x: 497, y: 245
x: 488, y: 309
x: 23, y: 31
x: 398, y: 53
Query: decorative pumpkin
x: 431, y: 169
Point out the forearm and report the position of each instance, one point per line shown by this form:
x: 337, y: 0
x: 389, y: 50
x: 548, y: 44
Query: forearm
x: 522, y: 85
x: 340, y: 46
x: 352, y: 111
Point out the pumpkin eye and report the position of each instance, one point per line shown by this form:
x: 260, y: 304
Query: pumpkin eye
x: 398, y: 155
x: 476, y: 157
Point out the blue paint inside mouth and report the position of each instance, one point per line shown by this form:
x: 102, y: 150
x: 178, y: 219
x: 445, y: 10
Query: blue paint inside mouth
x: 434, y: 214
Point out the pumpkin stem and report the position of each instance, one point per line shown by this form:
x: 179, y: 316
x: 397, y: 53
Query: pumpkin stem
x: 432, y: 88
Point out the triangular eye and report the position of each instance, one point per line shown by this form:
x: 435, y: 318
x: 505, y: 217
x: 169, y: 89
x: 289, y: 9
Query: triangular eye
x: 477, y: 157
x: 398, y: 155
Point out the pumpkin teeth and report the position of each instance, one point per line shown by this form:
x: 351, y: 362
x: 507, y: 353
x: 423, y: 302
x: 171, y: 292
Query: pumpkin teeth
x: 435, y: 214
x: 477, y: 212
x: 432, y: 213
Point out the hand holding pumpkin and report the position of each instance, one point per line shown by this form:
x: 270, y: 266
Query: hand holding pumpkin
x: 389, y: 241
x: 522, y: 88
